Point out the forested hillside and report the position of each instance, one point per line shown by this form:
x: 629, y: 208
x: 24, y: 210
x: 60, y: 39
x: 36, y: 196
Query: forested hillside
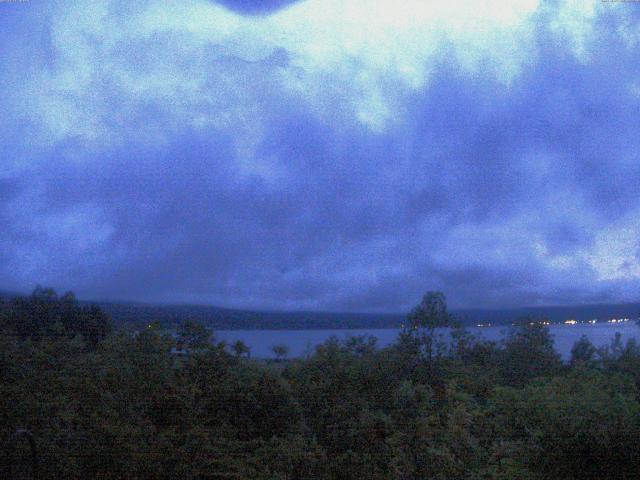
x: 229, y: 319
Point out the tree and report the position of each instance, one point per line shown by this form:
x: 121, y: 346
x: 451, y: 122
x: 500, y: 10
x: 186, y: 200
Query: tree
x: 281, y: 351
x: 240, y: 348
x: 583, y: 353
x: 194, y: 335
x: 622, y: 359
x: 44, y: 314
x: 361, y: 345
x: 577, y: 426
x: 429, y: 314
x: 528, y: 354
x: 42, y: 293
x: 95, y: 325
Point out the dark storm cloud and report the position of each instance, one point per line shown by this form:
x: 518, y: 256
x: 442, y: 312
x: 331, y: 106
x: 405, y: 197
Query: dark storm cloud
x: 198, y: 171
x: 255, y: 7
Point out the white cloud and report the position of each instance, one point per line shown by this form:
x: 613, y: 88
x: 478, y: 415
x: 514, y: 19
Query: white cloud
x: 615, y: 254
x: 573, y: 23
x: 200, y: 63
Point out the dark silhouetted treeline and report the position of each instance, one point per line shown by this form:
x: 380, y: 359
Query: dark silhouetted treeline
x: 44, y: 314
x: 151, y: 405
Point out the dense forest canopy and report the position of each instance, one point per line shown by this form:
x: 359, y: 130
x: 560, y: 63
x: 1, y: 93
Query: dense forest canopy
x: 107, y: 403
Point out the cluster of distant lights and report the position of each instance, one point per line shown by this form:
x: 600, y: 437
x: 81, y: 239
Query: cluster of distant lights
x: 569, y: 322
x: 595, y: 320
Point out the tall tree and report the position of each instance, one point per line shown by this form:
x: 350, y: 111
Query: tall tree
x: 240, y: 348
x: 281, y: 351
x: 429, y: 314
x: 194, y: 335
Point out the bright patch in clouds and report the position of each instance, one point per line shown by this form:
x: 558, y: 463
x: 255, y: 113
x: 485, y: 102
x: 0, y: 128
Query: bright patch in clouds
x: 616, y: 253
x: 209, y: 67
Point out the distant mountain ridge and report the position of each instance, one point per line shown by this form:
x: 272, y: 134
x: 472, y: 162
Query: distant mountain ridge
x: 230, y: 319
x: 136, y: 315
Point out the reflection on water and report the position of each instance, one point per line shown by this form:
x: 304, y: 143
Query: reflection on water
x: 303, y: 342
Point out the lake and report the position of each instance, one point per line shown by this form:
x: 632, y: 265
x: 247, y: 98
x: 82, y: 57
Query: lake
x: 303, y: 342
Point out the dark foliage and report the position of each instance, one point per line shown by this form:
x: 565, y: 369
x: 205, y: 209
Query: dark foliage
x: 44, y: 314
x: 121, y: 404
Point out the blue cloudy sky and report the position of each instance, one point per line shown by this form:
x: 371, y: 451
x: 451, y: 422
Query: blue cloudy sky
x: 321, y: 154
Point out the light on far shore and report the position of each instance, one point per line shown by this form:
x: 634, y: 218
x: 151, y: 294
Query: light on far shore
x: 618, y: 320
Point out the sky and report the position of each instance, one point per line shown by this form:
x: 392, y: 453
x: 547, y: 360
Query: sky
x: 335, y: 155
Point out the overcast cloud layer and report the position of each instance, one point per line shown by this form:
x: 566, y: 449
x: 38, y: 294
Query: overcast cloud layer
x: 321, y: 154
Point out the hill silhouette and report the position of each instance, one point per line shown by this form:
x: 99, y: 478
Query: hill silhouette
x: 234, y: 319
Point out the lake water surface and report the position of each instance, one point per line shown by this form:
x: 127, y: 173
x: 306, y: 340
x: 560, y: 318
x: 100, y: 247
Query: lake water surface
x: 303, y: 342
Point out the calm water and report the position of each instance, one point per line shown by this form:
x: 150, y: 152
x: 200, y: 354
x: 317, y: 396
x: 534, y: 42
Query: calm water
x: 303, y: 342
